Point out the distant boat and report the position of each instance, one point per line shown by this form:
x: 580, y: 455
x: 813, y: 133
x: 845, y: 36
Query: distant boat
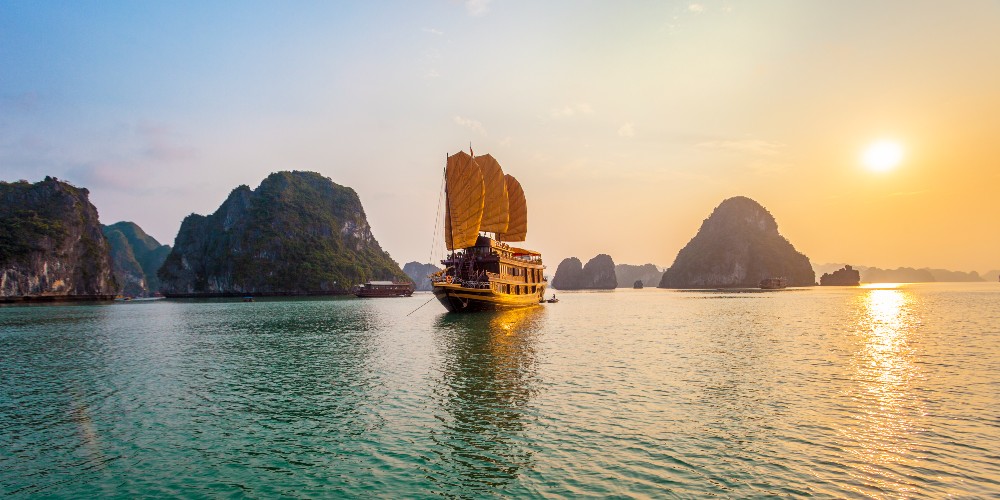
x: 248, y: 298
x: 553, y: 300
x: 773, y: 283
x: 384, y: 289
x: 484, y: 272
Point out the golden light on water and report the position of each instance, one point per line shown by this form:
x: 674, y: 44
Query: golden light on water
x: 880, y: 286
x: 884, y: 368
x: 882, y: 156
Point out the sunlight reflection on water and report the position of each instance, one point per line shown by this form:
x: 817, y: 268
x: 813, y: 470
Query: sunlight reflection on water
x: 885, y: 403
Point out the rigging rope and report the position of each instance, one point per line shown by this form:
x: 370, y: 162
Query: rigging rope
x: 421, y: 305
x: 437, y: 218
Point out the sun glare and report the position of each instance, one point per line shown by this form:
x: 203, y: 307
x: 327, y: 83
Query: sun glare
x: 883, y: 156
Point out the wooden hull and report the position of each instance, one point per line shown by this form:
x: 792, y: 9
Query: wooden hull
x: 456, y: 298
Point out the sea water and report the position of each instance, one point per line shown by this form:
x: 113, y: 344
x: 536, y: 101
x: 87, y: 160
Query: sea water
x: 886, y: 391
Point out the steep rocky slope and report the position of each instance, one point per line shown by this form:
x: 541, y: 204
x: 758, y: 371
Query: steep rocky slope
x: 297, y: 233
x: 51, y: 244
x: 597, y: 274
x: 737, y: 246
x: 136, y: 257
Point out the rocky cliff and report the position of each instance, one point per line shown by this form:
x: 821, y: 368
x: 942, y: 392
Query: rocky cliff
x: 297, y: 233
x: 568, y: 274
x: 598, y: 274
x: 135, y: 257
x: 51, y: 244
x: 737, y: 246
x: 628, y: 273
x: 418, y: 274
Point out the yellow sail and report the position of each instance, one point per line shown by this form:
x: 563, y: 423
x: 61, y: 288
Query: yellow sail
x: 465, y: 192
x: 517, y: 228
x: 495, y: 215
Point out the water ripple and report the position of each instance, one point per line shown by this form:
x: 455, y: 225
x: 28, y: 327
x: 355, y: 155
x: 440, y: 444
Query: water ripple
x: 887, y: 392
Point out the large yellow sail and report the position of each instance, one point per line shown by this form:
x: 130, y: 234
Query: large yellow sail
x: 517, y: 228
x: 465, y: 193
x: 495, y: 215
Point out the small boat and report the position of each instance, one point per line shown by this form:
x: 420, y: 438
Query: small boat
x: 384, y: 289
x: 553, y: 300
x: 248, y: 298
x: 773, y: 283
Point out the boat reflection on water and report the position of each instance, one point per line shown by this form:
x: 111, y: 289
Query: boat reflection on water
x: 489, y: 374
x: 887, y: 411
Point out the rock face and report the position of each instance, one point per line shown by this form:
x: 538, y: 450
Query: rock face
x: 628, y: 273
x: 51, y: 244
x: 418, y: 274
x: 598, y: 274
x: 737, y: 246
x: 135, y: 258
x: 568, y: 274
x: 638, y: 284
x: 847, y: 276
x: 297, y: 233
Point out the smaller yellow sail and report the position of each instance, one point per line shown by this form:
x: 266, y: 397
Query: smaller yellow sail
x: 465, y: 193
x: 517, y: 228
x: 495, y: 215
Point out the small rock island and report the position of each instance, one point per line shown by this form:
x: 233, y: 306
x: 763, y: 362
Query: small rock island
x: 847, y: 276
x: 598, y: 274
x: 737, y: 246
x: 649, y: 274
x: 420, y: 274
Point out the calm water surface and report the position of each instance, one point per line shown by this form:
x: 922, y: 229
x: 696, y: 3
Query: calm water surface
x: 833, y: 392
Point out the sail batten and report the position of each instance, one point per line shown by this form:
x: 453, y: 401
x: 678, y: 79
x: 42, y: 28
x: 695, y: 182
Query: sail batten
x: 517, y: 227
x: 465, y: 193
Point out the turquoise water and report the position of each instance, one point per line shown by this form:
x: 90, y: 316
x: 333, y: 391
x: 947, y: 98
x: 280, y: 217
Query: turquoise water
x: 832, y: 392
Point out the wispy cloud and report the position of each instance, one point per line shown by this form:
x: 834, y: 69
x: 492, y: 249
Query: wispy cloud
x: 506, y: 141
x: 477, y: 7
x: 755, y: 146
x: 160, y: 143
x: 697, y: 8
x: 627, y: 130
x: 572, y: 110
x: 471, y: 124
x: 433, y: 31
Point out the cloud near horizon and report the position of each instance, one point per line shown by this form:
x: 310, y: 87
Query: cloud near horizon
x: 471, y: 124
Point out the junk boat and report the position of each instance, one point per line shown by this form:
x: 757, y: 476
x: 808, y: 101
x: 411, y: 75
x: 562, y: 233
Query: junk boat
x: 483, y: 272
x: 773, y: 283
x: 384, y: 289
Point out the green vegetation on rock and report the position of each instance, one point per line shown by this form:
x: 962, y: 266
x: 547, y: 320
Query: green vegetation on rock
x: 51, y: 242
x: 298, y: 232
x: 136, y: 257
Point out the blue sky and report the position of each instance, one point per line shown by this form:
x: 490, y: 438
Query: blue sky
x: 626, y: 122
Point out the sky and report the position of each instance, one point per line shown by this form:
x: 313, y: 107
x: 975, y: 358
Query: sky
x: 625, y: 122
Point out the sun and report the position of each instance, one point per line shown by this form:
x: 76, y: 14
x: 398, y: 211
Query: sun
x: 883, y: 156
